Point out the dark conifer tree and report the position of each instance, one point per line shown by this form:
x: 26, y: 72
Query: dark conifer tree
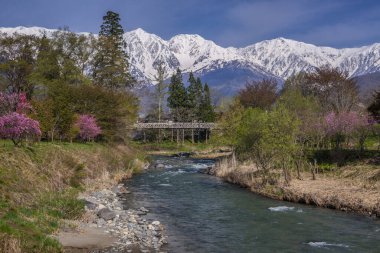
x: 111, y: 67
x: 207, y: 109
x: 192, y: 98
x: 177, y: 98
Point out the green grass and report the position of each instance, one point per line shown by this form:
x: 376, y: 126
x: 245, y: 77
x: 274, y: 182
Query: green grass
x: 29, y: 211
x: 32, y: 225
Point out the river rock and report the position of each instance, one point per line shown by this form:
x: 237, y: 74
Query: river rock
x: 90, y: 205
x: 143, y: 209
x: 159, y: 166
x: 106, y: 214
x: 156, y: 223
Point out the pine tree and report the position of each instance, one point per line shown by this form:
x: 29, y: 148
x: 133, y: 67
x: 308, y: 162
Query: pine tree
x: 199, y: 95
x: 111, y: 67
x: 207, y: 110
x: 192, y: 98
x: 177, y: 99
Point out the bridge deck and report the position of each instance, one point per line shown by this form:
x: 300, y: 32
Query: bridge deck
x: 175, y: 125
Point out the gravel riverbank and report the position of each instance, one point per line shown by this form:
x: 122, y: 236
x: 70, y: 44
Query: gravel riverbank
x: 110, y: 226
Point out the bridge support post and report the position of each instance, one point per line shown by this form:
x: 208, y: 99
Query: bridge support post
x: 192, y: 135
x: 183, y: 136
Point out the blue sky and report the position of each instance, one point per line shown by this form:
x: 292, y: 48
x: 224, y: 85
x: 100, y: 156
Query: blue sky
x: 337, y: 23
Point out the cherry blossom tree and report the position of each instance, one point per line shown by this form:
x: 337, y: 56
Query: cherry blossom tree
x: 14, y: 102
x: 18, y: 127
x: 88, y: 128
x: 345, y: 124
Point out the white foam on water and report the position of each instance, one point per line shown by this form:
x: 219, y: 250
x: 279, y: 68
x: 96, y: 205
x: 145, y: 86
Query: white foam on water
x: 199, y: 166
x: 166, y: 185
x: 281, y: 208
x: 325, y: 244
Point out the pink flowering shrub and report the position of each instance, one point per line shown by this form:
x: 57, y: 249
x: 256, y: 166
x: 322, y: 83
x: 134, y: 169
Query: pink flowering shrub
x: 88, y: 128
x: 18, y: 127
x: 14, y: 102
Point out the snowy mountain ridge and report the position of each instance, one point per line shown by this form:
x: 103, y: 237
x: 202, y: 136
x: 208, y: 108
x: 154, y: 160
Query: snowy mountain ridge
x: 278, y: 58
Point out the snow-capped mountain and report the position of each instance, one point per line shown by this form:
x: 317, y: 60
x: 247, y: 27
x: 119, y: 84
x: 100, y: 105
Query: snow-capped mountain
x: 277, y: 58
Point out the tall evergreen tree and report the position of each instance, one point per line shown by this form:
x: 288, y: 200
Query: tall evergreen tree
x: 207, y: 109
x: 177, y: 98
x: 199, y: 95
x: 192, y: 98
x: 111, y: 67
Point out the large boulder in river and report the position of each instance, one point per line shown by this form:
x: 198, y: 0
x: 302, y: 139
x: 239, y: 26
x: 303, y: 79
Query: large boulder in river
x: 106, y: 214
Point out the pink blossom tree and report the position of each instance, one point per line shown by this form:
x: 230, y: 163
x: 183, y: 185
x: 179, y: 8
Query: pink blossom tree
x: 88, y: 128
x: 345, y: 124
x: 14, y: 102
x: 18, y: 127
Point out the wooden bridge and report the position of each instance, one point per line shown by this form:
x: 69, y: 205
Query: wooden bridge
x: 175, y: 125
x: 178, y: 127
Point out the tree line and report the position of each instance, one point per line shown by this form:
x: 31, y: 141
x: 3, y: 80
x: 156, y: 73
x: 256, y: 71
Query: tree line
x: 77, y: 86
x: 315, y: 118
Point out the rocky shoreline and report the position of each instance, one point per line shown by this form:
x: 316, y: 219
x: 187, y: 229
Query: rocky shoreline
x: 108, y: 220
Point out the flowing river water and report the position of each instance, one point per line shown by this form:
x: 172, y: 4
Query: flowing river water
x: 202, y: 213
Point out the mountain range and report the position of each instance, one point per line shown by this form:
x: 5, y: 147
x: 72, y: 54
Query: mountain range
x: 228, y: 69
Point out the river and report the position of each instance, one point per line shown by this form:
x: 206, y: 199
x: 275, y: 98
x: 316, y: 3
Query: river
x: 202, y: 213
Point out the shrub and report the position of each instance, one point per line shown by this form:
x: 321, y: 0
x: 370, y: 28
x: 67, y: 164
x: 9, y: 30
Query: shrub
x: 18, y: 127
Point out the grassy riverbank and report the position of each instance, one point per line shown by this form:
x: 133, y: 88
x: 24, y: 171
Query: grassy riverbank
x: 39, y: 186
x: 353, y: 187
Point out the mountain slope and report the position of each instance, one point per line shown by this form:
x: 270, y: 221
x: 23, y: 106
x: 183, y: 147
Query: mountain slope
x: 231, y: 67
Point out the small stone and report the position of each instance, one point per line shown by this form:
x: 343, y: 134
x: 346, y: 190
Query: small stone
x: 106, y: 214
x: 143, y: 209
x: 156, y: 223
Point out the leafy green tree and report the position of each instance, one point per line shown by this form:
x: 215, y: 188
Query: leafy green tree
x: 177, y: 98
x: 47, y: 66
x: 110, y: 64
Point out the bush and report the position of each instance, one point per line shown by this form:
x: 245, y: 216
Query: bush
x: 18, y: 127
